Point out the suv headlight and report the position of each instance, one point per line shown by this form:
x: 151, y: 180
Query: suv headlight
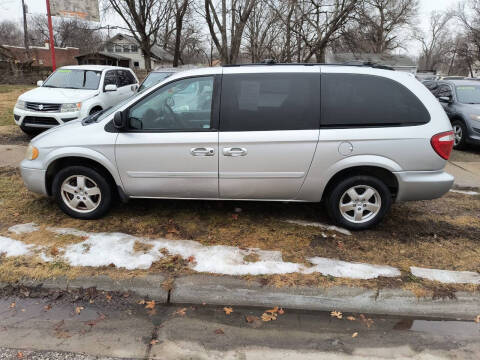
x: 22, y: 105
x: 71, y: 107
x: 32, y: 152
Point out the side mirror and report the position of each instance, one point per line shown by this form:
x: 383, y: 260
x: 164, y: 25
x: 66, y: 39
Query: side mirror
x: 120, y: 120
x: 39, y: 83
x: 110, y: 87
x: 445, y: 99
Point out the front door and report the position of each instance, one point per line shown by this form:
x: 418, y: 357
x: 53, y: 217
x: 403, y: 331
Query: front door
x: 171, y: 147
x: 269, y: 129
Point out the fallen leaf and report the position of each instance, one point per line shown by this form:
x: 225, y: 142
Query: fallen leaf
x: 268, y: 317
x: 19, y: 355
x: 54, y: 251
x: 108, y: 296
x: 367, y: 321
x: 477, y: 319
x: 191, y: 259
x: 12, y: 305
x: 153, y: 342
x: 281, y: 311
x: 355, y: 334
x: 351, y: 318
x: 150, y: 304
x: 250, y: 318
x: 91, y: 301
x: 79, y: 309
x: 219, y: 332
x: 47, y: 307
x: 336, y: 314
x: 228, y: 310
x: 181, y: 312
x: 141, y: 302
x: 23, y: 310
x: 272, y: 311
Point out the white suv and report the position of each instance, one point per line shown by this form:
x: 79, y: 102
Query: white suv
x: 73, y: 92
x: 357, y: 137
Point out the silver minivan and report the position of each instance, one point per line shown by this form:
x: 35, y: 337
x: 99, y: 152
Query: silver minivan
x: 357, y: 137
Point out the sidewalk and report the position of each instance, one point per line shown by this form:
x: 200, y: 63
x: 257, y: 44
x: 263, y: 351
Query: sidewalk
x: 467, y: 174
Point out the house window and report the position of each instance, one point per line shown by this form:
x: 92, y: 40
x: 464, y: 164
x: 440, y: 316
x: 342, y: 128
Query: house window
x: 118, y: 48
x: 126, y: 48
x: 136, y: 64
x: 134, y: 48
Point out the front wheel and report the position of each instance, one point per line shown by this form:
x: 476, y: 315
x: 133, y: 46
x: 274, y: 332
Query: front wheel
x: 82, y: 192
x: 359, y: 202
x: 460, y: 132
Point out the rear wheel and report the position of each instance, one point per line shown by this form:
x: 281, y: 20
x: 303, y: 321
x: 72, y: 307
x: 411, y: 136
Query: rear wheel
x: 460, y: 132
x: 82, y: 192
x: 359, y: 202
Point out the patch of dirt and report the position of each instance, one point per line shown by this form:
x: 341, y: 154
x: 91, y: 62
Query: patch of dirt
x: 13, y: 135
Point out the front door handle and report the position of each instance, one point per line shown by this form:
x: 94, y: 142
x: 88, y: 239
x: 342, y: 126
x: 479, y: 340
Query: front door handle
x: 202, y: 151
x: 234, y: 151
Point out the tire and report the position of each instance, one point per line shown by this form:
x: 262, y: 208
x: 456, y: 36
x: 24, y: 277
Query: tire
x: 95, y: 110
x: 460, y: 132
x: 372, y: 210
x: 30, y: 132
x: 66, y: 182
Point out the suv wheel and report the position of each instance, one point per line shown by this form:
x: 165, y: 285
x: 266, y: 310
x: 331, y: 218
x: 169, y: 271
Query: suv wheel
x: 359, y: 202
x: 460, y: 131
x: 82, y: 192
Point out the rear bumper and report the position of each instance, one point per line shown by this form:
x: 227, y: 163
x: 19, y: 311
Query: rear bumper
x: 34, y: 179
x: 423, y: 185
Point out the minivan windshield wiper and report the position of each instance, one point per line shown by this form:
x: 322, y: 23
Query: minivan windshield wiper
x: 93, y: 118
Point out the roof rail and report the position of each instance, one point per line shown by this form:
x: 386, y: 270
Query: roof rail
x: 270, y: 62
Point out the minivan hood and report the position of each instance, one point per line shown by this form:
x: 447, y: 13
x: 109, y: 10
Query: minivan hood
x: 44, y: 94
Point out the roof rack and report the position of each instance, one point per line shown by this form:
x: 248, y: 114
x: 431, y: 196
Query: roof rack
x: 271, y: 62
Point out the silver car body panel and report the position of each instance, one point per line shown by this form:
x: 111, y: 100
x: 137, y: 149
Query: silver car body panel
x: 277, y: 165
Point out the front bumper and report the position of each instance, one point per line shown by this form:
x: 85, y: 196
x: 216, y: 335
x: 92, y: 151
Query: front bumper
x: 422, y: 185
x: 34, y: 179
x: 43, y: 119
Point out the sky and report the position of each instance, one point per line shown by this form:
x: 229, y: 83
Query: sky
x: 12, y: 9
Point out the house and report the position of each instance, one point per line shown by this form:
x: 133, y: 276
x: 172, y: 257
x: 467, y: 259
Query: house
x: 41, y: 56
x: 398, y: 62
x: 102, y: 58
x: 123, y: 46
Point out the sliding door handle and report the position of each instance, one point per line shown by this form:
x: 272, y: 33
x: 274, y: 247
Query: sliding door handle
x: 202, y: 151
x: 234, y: 151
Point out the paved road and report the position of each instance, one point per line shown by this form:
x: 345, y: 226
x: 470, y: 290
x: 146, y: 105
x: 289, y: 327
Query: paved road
x: 43, y: 328
x: 11, y: 155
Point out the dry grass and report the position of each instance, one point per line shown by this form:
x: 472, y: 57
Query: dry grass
x: 8, y: 97
x: 443, y: 233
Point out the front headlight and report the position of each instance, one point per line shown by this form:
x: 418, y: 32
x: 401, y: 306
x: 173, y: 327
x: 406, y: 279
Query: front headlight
x: 71, y: 107
x: 32, y: 152
x: 475, y: 117
x: 22, y: 105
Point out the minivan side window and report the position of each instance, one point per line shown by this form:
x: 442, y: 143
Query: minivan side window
x: 357, y: 100
x: 262, y: 102
x: 184, y: 105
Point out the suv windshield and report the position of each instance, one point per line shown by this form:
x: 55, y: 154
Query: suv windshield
x: 153, y: 78
x: 468, y: 94
x: 74, y: 79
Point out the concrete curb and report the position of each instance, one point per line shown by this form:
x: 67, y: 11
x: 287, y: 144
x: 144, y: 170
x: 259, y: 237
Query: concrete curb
x: 228, y: 290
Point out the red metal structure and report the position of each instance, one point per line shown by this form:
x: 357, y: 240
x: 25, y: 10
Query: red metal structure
x: 50, y: 30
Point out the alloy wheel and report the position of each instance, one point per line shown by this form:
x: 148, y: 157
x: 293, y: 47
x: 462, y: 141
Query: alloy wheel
x: 360, y: 203
x: 80, y: 193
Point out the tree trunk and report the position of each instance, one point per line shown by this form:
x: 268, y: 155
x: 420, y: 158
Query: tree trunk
x: 148, y: 60
x: 178, y: 34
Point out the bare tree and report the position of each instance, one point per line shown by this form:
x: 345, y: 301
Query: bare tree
x: 144, y: 19
x: 11, y: 33
x: 437, y: 43
x: 223, y: 17
x: 180, y: 7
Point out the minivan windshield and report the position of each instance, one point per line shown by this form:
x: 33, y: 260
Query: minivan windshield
x: 74, y: 79
x: 468, y: 94
x: 153, y: 78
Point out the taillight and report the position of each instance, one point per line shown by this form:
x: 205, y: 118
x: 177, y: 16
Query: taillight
x: 443, y: 144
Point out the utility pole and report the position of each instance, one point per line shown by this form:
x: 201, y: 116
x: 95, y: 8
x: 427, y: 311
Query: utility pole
x: 50, y: 30
x: 25, y: 30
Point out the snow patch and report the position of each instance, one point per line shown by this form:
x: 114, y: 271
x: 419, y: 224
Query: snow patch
x: 23, y: 228
x: 320, y: 225
x: 447, y: 276
x: 464, y: 192
x: 11, y: 247
x: 338, y: 268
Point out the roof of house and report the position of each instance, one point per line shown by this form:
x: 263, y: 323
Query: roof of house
x: 110, y: 55
x: 382, y: 59
x: 156, y: 50
x: 92, y: 67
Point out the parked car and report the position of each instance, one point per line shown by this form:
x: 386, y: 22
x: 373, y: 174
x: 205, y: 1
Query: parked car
x: 461, y: 101
x: 368, y: 138
x: 73, y: 92
x: 155, y: 77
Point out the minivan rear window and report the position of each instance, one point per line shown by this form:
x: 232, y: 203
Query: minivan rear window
x: 262, y: 102
x: 357, y: 100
